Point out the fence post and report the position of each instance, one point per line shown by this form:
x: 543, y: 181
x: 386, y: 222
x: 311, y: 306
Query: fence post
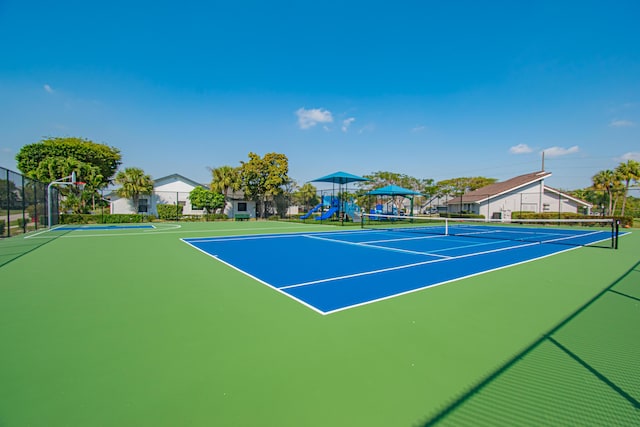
x: 8, y: 223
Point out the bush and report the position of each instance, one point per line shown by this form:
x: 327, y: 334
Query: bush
x: 169, y: 211
x: 550, y: 215
x: 77, y: 219
x: 102, y: 219
x: 625, y: 221
x: 462, y: 215
x: 215, y: 217
x: 1, y: 226
x: 122, y: 218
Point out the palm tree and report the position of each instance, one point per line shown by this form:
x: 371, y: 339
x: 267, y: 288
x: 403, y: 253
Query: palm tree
x: 606, y: 180
x: 94, y: 182
x: 134, y: 183
x: 225, y: 179
x: 627, y: 172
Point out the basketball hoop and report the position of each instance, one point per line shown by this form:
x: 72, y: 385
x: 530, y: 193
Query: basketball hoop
x: 80, y: 185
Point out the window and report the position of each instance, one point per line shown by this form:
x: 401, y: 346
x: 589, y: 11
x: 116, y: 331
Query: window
x: 143, y: 205
x: 546, y: 206
x: 242, y: 206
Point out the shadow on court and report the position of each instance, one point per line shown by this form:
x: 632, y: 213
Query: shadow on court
x: 12, y: 248
x: 582, y: 372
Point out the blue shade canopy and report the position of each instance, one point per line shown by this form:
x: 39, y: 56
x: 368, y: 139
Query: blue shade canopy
x: 340, y: 178
x: 393, y: 190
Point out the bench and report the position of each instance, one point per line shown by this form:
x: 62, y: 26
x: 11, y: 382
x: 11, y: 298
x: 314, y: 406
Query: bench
x: 242, y: 217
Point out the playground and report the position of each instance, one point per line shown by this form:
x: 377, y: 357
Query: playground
x: 345, y: 203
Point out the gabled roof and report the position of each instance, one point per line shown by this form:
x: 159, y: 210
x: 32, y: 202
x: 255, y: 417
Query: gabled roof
x: 568, y: 196
x: 177, y: 177
x: 492, y: 190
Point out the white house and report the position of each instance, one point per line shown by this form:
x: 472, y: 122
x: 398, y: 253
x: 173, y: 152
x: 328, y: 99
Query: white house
x: 175, y: 189
x: 237, y: 205
x: 524, y: 193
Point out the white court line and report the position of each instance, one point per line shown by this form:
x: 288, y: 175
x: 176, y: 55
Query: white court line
x: 402, y: 267
x: 255, y: 278
x: 173, y: 227
x: 417, y: 264
x: 384, y: 248
x: 433, y: 236
x: 509, y: 231
x: 280, y: 290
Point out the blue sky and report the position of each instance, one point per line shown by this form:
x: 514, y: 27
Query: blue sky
x: 431, y: 89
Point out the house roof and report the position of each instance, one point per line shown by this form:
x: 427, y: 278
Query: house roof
x: 177, y: 177
x: 492, y: 190
x: 568, y: 196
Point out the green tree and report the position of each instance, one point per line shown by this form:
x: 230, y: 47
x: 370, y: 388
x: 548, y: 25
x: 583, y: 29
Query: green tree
x: 462, y: 185
x: 225, y: 179
x: 627, y: 173
x: 9, y: 195
x: 456, y: 187
x: 206, y: 199
x: 54, y: 168
x: 42, y: 160
x: 94, y: 182
x: 264, y: 177
x: 607, y: 181
x: 307, y: 196
x: 383, y: 178
x: 133, y: 183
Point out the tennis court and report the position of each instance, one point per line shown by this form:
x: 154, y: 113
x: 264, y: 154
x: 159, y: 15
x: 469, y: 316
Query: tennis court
x: 368, y: 265
x: 133, y: 327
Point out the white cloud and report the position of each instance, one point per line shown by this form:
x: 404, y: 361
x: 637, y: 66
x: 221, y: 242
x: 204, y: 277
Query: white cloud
x: 418, y: 129
x: 346, y: 123
x: 367, y: 128
x: 560, y: 151
x: 621, y: 123
x: 520, y: 149
x: 631, y: 156
x: 309, y: 118
x: 47, y: 88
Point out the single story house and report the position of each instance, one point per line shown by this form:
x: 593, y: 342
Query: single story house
x: 236, y: 204
x: 524, y: 193
x: 175, y: 189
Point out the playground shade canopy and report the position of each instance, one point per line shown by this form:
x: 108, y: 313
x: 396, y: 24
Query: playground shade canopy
x: 393, y: 190
x: 340, y: 178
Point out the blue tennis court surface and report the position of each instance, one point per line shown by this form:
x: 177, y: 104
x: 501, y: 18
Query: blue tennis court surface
x: 334, y: 271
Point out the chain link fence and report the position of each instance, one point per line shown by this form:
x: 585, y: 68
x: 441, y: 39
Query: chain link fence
x: 23, y: 204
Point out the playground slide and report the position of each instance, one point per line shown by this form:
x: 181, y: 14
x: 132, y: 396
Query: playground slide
x: 311, y: 211
x: 327, y: 214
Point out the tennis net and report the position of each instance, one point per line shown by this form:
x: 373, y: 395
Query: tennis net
x: 601, y: 232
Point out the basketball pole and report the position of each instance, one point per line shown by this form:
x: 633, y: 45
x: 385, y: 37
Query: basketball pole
x: 67, y: 180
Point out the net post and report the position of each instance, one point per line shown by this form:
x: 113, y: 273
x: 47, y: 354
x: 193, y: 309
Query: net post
x: 446, y: 226
x: 616, y: 233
